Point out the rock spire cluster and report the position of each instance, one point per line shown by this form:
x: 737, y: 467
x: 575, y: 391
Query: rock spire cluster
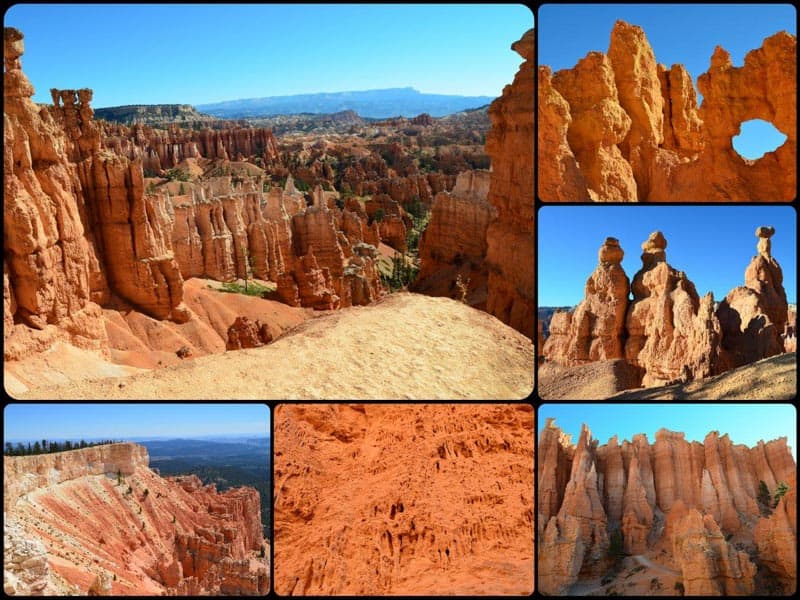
x: 683, y: 500
x: 621, y: 127
x: 666, y: 329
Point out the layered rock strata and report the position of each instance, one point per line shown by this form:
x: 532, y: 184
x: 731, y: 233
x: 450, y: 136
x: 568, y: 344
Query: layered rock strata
x: 402, y: 499
x: 621, y: 127
x: 110, y: 525
x: 685, y: 498
x: 509, y: 255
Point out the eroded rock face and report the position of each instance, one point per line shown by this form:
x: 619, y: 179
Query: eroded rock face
x: 673, y: 334
x: 403, y: 499
x: 78, y: 228
x: 634, y: 130
x: 710, y: 566
x: 109, y: 525
x: 680, y: 496
x: 753, y: 317
x: 595, y: 330
x: 454, y: 242
x: 509, y: 255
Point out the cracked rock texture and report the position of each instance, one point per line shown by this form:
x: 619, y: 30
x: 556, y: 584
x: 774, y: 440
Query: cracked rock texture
x: 403, y: 499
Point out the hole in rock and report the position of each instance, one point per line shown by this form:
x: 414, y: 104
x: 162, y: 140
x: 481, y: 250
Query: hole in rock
x: 757, y: 137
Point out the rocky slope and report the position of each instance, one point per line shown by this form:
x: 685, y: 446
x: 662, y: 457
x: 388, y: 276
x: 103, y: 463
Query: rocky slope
x: 99, y: 521
x: 668, y: 332
x: 401, y: 499
x: 692, y: 507
x: 621, y: 127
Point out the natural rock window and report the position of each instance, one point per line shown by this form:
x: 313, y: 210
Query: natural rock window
x: 757, y: 137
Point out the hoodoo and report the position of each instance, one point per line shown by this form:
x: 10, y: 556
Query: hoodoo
x: 690, y: 507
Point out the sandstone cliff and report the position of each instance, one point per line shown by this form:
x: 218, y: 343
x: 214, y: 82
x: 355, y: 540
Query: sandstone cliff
x: 509, y: 255
x: 685, y: 498
x: 79, y: 231
x: 109, y: 524
x: 401, y: 499
x: 621, y: 127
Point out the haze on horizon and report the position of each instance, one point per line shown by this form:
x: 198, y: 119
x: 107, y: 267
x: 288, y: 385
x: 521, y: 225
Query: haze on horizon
x: 203, y: 54
x: 75, y: 421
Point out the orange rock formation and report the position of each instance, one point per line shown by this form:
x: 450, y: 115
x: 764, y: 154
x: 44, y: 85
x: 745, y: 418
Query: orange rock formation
x: 108, y: 524
x: 401, y: 499
x: 595, y: 329
x: 668, y: 332
x: 454, y: 242
x: 509, y: 255
x: 621, y: 127
x: 682, y: 499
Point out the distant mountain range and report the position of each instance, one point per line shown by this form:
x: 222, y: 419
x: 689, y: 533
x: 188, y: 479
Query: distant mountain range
x: 378, y: 104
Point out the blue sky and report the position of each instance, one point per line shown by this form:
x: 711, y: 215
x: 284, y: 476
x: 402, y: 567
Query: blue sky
x: 745, y: 423
x: 196, y: 54
x: 712, y: 244
x: 124, y: 421
x: 678, y: 33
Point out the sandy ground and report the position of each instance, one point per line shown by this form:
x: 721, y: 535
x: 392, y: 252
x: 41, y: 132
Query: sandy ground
x: 773, y: 378
x: 407, y: 346
x: 592, y: 381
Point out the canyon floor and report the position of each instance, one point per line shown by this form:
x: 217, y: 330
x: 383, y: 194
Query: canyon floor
x: 406, y: 346
x: 772, y: 378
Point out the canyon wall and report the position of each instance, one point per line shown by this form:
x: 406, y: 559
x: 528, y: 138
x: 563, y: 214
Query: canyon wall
x: 78, y: 230
x: 509, y: 255
x: 667, y: 332
x: 621, y: 127
x: 685, y: 498
x: 99, y: 521
x: 403, y: 499
x: 454, y: 242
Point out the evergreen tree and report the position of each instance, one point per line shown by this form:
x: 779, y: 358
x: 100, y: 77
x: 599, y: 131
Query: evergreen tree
x: 37, y: 448
x: 9, y: 449
x: 20, y: 449
x: 83, y: 444
x: 44, y: 445
x: 67, y: 445
x: 30, y: 449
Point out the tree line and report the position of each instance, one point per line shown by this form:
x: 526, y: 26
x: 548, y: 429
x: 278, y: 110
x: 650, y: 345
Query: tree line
x: 48, y: 447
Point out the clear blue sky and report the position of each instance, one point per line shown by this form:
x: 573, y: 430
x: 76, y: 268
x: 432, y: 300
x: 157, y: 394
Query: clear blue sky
x: 744, y: 423
x: 123, y: 421
x: 184, y: 53
x: 678, y: 33
x: 712, y: 244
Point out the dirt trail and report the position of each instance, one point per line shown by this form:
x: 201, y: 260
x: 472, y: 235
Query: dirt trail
x: 407, y: 346
x: 646, y: 562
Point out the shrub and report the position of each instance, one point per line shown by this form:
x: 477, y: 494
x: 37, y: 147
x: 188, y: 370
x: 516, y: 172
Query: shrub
x: 780, y: 492
x: 679, y: 588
